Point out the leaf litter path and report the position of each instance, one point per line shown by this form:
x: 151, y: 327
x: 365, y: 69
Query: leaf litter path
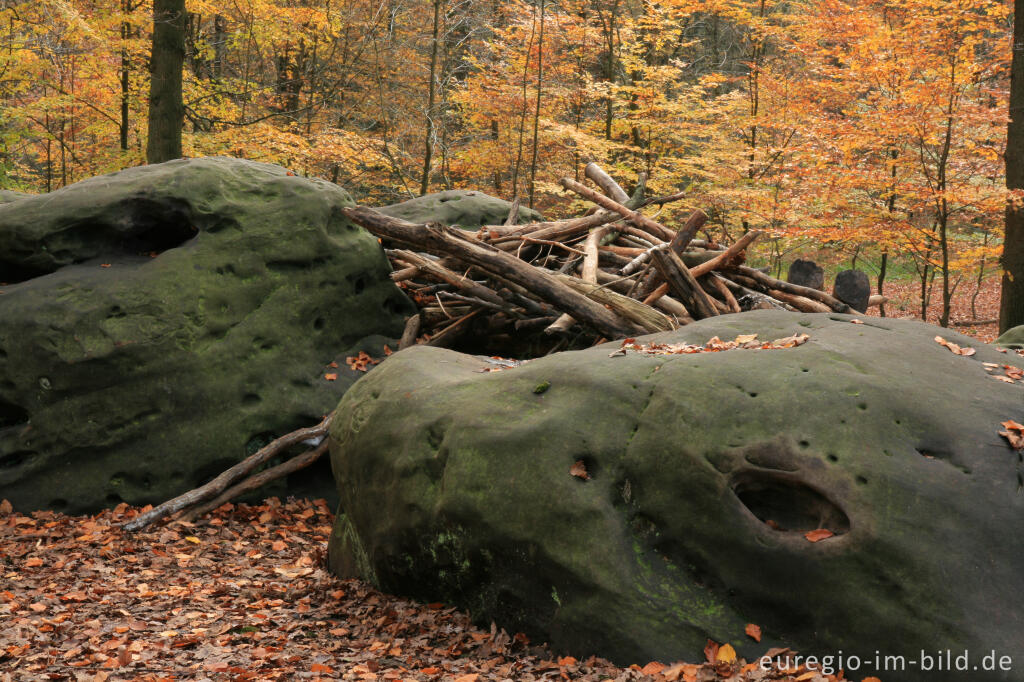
x: 244, y: 595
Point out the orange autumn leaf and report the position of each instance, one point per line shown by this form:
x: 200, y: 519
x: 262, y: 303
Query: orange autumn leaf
x: 954, y: 348
x: 321, y: 668
x: 331, y: 376
x: 32, y: 562
x: 567, y: 660
x: 818, y: 535
x: 579, y: 470
x: 753, y: 631
x: 725, y: 654
x: 653, y: 668
x: 1014, y: 433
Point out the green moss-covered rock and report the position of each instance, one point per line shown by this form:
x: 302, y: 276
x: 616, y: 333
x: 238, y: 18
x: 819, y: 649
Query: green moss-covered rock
x: 161, y: 321
x: 463, y: 208
x: 705, y: 472
x: 1011, y: 338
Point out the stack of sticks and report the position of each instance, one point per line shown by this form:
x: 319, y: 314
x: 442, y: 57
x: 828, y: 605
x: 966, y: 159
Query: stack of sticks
x: 612, y: 273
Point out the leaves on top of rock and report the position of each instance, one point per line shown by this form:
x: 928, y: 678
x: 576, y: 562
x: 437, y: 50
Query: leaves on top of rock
x: 1014, y: 433
x: 713, y: 345
x: 361, y: 362
x: 954, y: 348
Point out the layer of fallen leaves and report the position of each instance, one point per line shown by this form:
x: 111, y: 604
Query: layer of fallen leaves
x: 713, y: 345
x: 244, y: 595
x: 905, y: 301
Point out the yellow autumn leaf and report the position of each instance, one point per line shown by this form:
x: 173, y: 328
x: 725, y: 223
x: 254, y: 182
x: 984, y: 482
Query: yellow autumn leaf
x: 726, y: 654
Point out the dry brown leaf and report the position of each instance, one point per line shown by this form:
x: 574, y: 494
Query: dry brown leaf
x: 746, y: 338
x: 1014, y: 433
x: 711, y: 650
x: 818, y: 535
x: 579, y: 470
x: 1005, y: 380
x: 790, y: 341
x: 653, y: 668
x: 753, y: 631
x: 954, y: 348
x: 856, y: 321
x: 5, y: 507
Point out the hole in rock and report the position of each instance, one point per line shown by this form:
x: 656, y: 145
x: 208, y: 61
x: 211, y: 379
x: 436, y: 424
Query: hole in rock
x: 3, y: 354
x: 156, y: 226
x: 16, y: 459
x: 251, y: 399
x: 833, y: 458
x: 12, y: 415
x: 788, y: 504
x: 12, y: 273
x: 584, y: 467
x: 319, y: 323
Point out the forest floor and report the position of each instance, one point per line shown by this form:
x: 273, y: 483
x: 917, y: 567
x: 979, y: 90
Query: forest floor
x: 905, y: 302
x: 245, y: 595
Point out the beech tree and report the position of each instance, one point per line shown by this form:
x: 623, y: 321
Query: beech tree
x: 1011, y: 304
x: 166, y: 106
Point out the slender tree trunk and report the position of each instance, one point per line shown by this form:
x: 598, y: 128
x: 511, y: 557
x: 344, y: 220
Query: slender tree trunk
x: 881, y: 281
x: 126, y: 33
x: 1011, y: 303
x: 428, y: 151
x: 540, y: 89
x: 166, y: 107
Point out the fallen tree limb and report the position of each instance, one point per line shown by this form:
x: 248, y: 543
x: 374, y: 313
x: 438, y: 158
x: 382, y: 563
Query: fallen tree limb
x: 771, y: 283
x: 682, y: 284
x: 257, y: 481
x: 230, y: 476
x: 606, y: 183
x: 635, y: 217
x: 643, y: 316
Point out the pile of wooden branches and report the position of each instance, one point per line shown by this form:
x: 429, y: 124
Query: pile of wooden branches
x: 614, y: 272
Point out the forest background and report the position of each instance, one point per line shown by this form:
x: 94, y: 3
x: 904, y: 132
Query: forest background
x: 874, y: 129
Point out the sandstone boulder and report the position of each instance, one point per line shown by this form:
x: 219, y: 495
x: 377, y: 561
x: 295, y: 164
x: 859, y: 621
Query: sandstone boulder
x: 464, y: 208
x: 161, y: 321
x: 636, y: 506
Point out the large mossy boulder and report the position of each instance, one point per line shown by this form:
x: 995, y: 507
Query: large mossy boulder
x: 635, y: 506
x: 464, y: 208
x: 159, y: 322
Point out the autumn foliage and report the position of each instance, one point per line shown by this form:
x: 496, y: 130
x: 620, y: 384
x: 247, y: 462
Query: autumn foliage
x: 874, y: 125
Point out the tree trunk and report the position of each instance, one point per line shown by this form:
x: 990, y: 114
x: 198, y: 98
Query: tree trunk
x: 1011, y: 304
x: 166, y: 107
x: 428, y: 151
x: 540, y: 90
